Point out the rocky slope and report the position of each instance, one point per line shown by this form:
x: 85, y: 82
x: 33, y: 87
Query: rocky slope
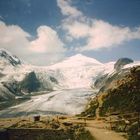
x: 121, y: 95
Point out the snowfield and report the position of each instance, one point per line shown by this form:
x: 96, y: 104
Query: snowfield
x: 71, y: 81
x: 80, y: 71
x: 75, y: 76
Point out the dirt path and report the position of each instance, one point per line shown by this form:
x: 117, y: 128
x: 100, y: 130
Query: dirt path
x: 98, y: 130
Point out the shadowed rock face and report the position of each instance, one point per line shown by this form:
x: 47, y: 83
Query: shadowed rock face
x: 104, y: 81
x: 30, y: 83
x: 121, y: 62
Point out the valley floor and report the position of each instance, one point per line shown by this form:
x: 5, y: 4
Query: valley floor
x: 98, y: 129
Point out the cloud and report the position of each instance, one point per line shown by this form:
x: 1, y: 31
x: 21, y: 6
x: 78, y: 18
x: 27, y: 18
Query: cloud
x: 104, y: 35
x: 12, y: 36
x: 67, y: 9
x: 98, y: 33
x: 46, y: 47
x: 47, y: 41
x: 76, y: 29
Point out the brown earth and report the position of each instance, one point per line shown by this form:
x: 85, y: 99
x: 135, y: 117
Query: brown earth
x: 98, y: 128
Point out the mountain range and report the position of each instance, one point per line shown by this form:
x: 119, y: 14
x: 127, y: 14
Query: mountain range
x: 64, y: 87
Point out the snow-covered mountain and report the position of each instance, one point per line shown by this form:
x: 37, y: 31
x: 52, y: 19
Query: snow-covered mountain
x: 8, y: 62
x: 69, y: 84
x: 14, y: 74
x: 80, y: 71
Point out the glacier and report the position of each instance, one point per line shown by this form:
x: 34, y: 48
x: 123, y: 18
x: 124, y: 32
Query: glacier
x: 66, y: 102
x: 71, y: 81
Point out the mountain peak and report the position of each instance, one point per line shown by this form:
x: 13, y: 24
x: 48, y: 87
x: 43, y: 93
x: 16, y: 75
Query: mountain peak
x: 84, y: 59
x: 12, y: 59
x: 77, y: 60
x: 79, y: 55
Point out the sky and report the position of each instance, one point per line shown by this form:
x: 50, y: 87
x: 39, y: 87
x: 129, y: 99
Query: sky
x: 43, y: 32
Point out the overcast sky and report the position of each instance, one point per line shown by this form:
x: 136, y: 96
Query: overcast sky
x: 43, y: 32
